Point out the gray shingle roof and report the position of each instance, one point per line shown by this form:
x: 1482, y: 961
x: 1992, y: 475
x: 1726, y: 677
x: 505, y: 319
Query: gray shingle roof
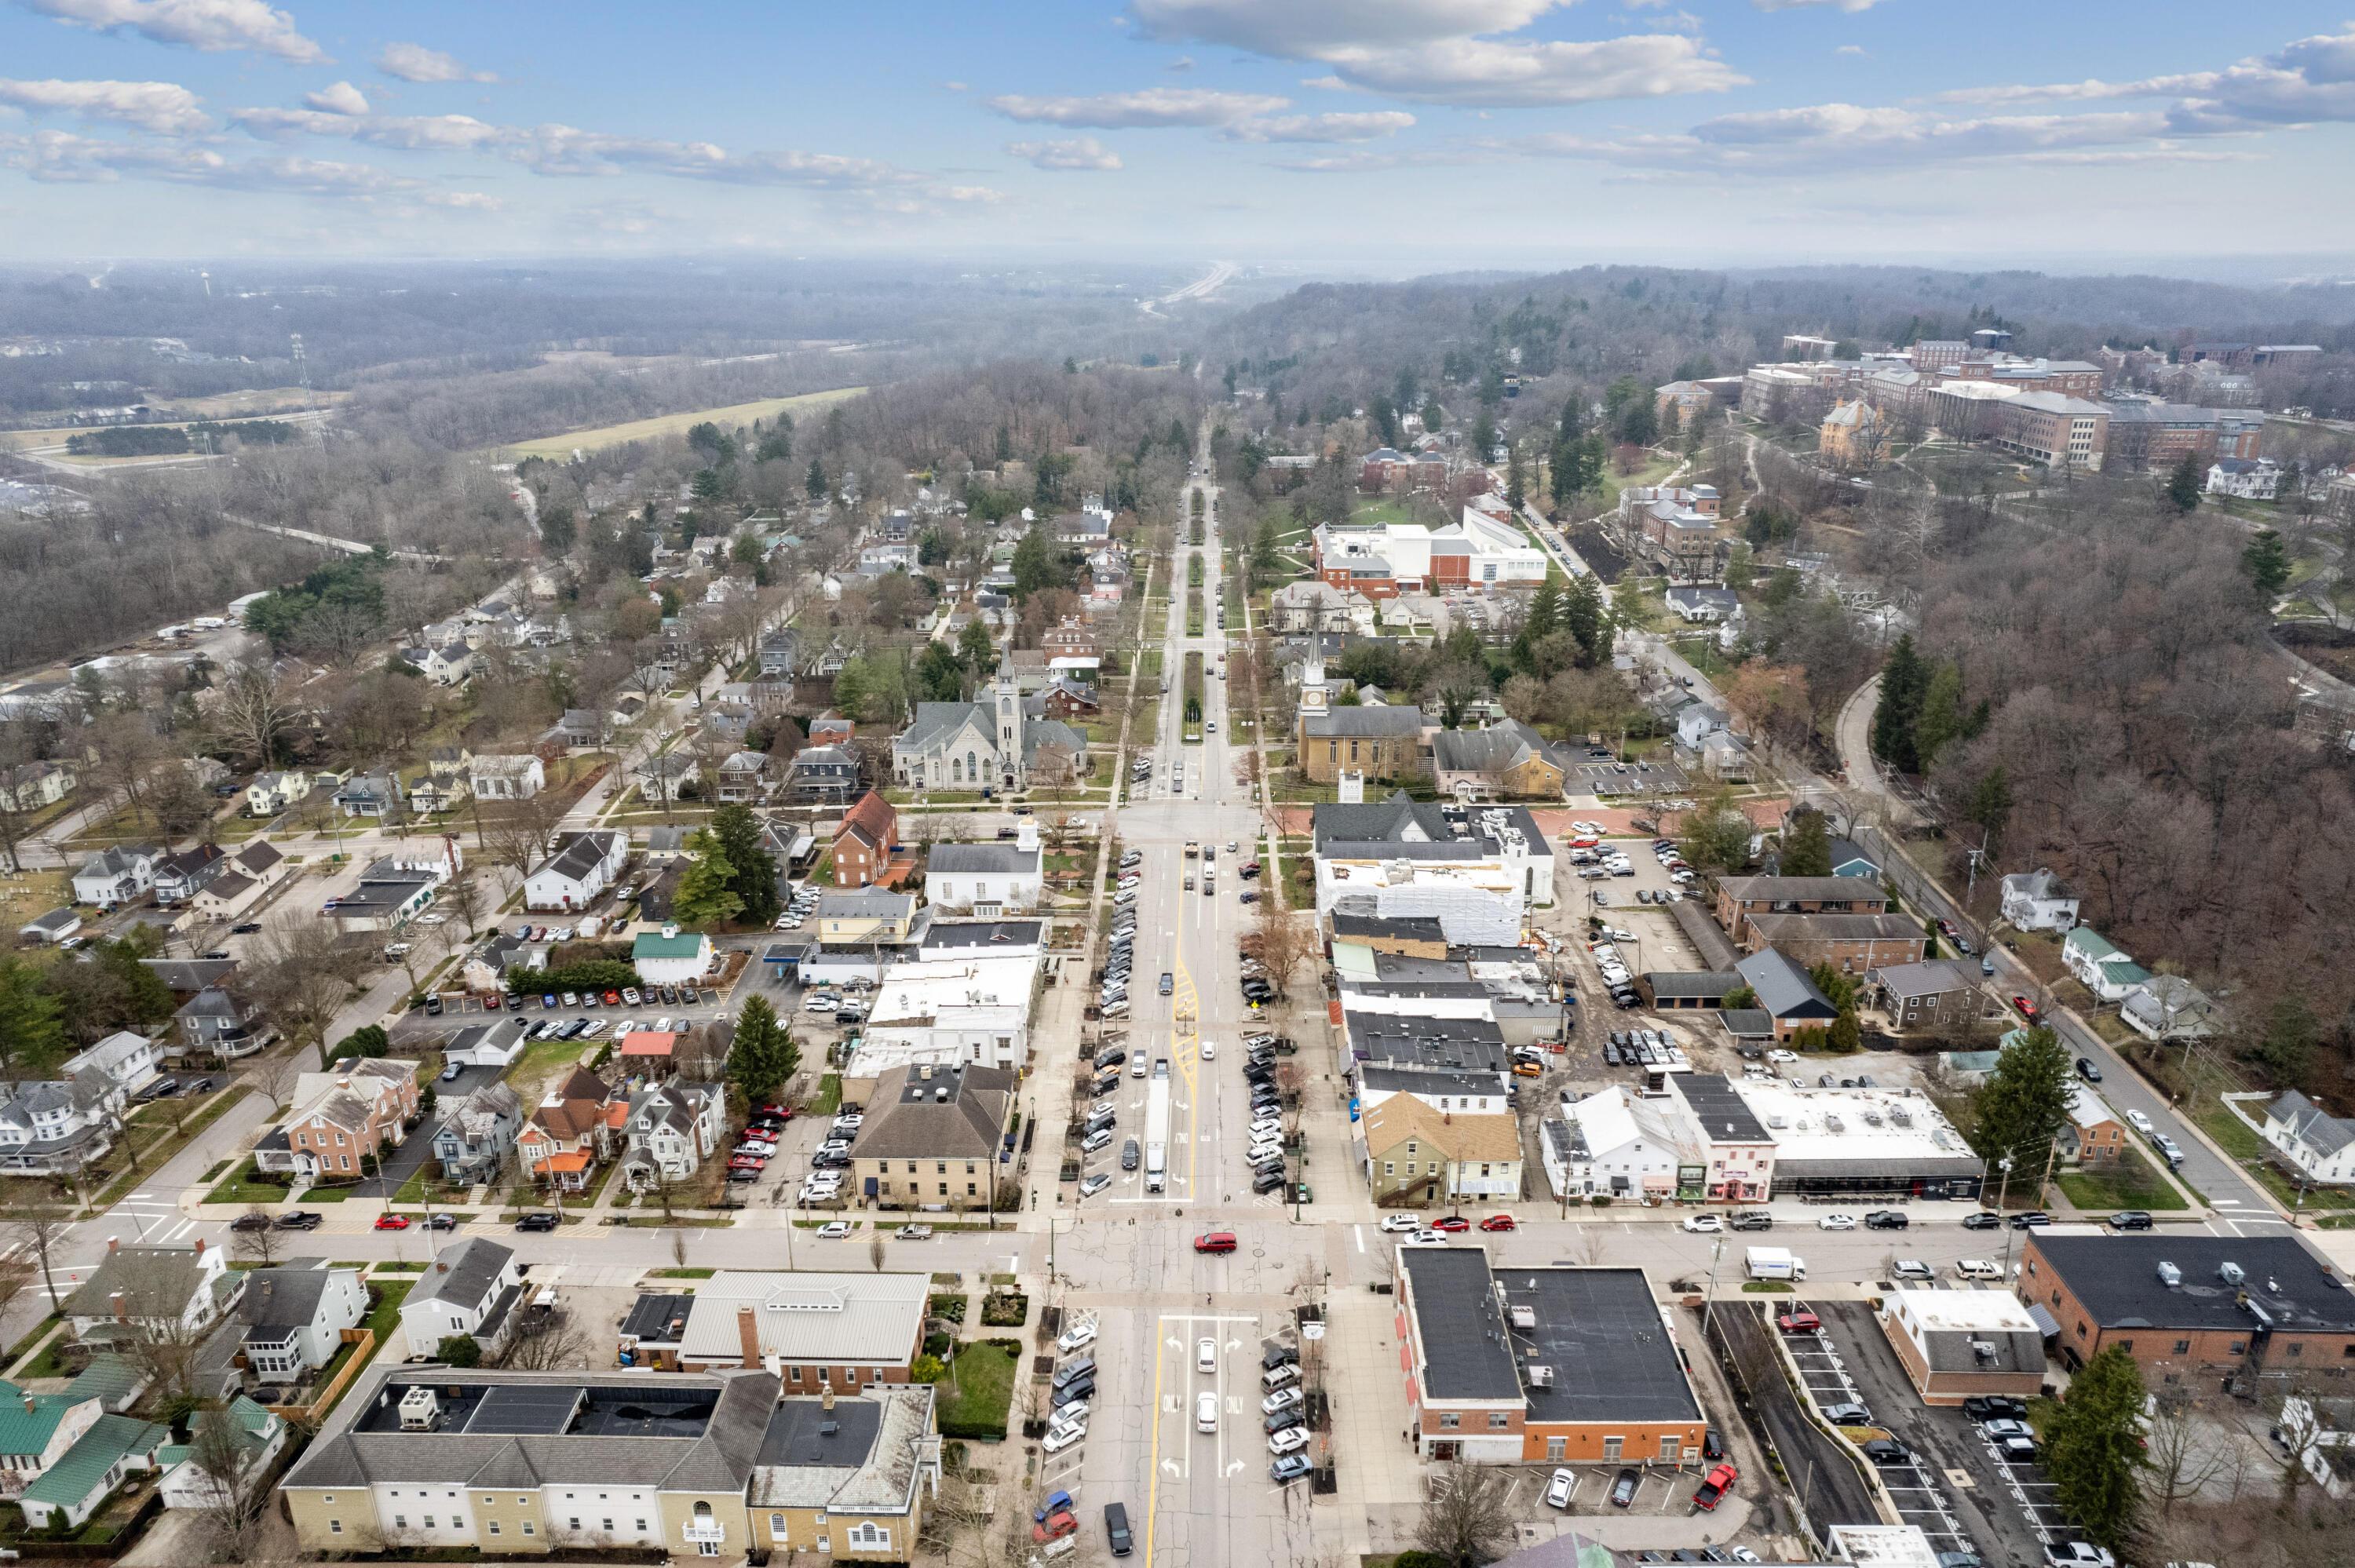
x: 1004, y: 859
x: 463, y: 1272
x: 907, y: 1117
x: 1380, y: 723
x: 2310, y: 1124
x: 1784, y: 988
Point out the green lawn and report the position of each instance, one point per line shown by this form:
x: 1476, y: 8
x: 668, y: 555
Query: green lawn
x: 243, y: 1187
x: 2241, y: 1141
x: 828, y: 1096
x: 158, y: 1146
x: 2134, y: 1185
x: 977, y: 1393
x: 384, y: 1319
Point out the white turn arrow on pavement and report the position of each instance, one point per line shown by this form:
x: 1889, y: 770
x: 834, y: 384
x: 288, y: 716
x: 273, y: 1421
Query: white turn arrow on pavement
x: 1234, y: 1466
x: 1174, y: 1343
x: 1171, y: 1466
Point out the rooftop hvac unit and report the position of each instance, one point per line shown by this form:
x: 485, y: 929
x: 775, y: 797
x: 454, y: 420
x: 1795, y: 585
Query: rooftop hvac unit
x: 2231, y: 1272
x: 1901, y: 1115
x: 1834, y: 1124
x: 420, y: 1411
x: 1525, y: 1318
x: 1542, y: 1377
x: 2168, y: 1275
x: 1872, y: 1119
x: 1776, y: 1122
x: 1983, y: 1349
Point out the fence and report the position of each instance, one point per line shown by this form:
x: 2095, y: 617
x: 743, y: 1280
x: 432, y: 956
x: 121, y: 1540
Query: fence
x: 363, y: 1343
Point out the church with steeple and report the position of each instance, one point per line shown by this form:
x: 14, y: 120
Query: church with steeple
x: 1002, y: 741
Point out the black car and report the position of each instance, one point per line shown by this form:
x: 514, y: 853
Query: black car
x: 1267, y: 1182
x: 2088, y: 1071
x: 245, y: 929
x: 1994, y: 1407
x: 1712, y: 1444
x: 1848, y: 1414
x: 1623, y: 1491
x: 298, y: 1220
x: 2033, y: 1220
x: 1071, y: 1393
x: 1886, y: 1220
x: 1289, y: 1415
x: 1982, y: 1221
x: 1116, y: 1531
x: 1888, y: 1451
x: 2130, y: 1220
x: 537, y: 1220
x: 1110, y: 1058
x: 252, y: 1219
x: 1275, y: 1356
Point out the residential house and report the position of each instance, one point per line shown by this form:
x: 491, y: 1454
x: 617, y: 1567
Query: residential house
x: 1505, y: 761
x: 745, y: 777
x: 809, y: 1329
x: 666, y: 846
x: 2244, y: 479
x: 1416, y: 1156
x: 348, y: 1117
x: 295, y: 1317
x: 51, y: 1128
x: 585, y: 727
x: 502, y: 954
x: 180, y: 877
x: 1852, y: 437
x: 36, y: 1430
x: 251, y: 874
x: 260, y: 1437
x: 670, y: 1131
x: 2036, y: 901
x: 1785, y: 994
x: 372, y: 795
x: 1848, y: 859
x: 931, y: 1137
x: 116, y: 1067
x: 507, y: 778
x: 2094, y: 1134
x: 2320, y: 1147
x: 1939, y: 993
x: 274, y: 793
x: 2100, y: 965
x: 1619, y: 1143
x: 668, y: 775
x: 671, y: 957
x: 1312, y: 605
x: 576, y: 1127
x: 470, y: 1290
x: 986, y: 880
x: 410, y: 1457
x: 1703, y: 605
x: 1696, y: 722
x: 114, y: 1448
x: 473, y: 1142
x: 156, y: 1292
x: 1071, y: 638
x: 863, y: 844
x: 584, y: 866
x: 34, y: 786
x: 2167, y: 1007
x: 823, y: 774
x: 865, y: 915
x: 778, y: 652
x: 113, y: 877
x: 450, y: 764
x: 445, y: 666
x: 1066, y: 699
x: 1738, y: 897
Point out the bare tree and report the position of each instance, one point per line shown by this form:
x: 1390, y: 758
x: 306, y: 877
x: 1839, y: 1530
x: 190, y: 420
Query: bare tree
x: 302, y: 975
x: 1282, y: 940
x: 545, y: 1342
x: 259, y: 1242
x: 1464, y: 1518
x: 275, y: 1075
x: 2185, y: 1455
x: 516, y: 835
x: 42, y: 1237
x: 235, y: 1483
x: 875, y: 1251
x: 465, y: 899
x: 679, y: 1246
x: 254, y: 714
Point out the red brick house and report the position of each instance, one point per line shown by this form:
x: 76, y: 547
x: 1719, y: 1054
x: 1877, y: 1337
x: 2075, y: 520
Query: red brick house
x: 1073, y: 638
x: 361, y: 1111
x: 862, y: 848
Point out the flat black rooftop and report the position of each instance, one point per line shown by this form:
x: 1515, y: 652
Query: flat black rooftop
x: 1601, y: 1332
x: 1459, y: 1325
x: 1722, y: 1112
x: 802, y: 1432
x: 658, y: 1318
x: 2116, y: 1280
x: 548, y: 1410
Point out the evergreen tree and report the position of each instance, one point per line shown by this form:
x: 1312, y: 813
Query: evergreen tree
x: 1902, y: 680
x: 1806, y: 846
x: 814, y: 483
x: 976, y: 648
x: 1034, y: 563
x: 754, y: 879
x: 557, y: 530
x: 1990, y: 803
x: 2093, y: 1448
x: 939, y: 676
x: 2185, y: 484
x: 763, y: 1058
x: 1516, y: 482
x: 706, y: 895
x: 2267, y: 563
x: 1584, y: 618
x: 2024, y: 1104
x: 1545, y: 608
x: 32, y: 1021
x: 1740, y: 567
x: 1942, y: 712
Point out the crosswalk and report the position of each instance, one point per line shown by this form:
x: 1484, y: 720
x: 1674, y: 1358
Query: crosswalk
x: 151, y: 1217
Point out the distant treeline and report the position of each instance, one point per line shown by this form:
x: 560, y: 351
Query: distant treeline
x: 172, y: 441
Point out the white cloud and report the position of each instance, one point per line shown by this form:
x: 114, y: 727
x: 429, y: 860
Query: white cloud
x: 212, y: 25
x: 343, y: 98
x: 2309, y: 81
x: 166, y: 108
x: 466, y: 201
x: 1856, y: 49
x: 1081, y: 152
x: 1321, y: 127
x: 1307, y: 29
x: 1153, y: 106
x: 1850, y: 5
x: 409, y: 133
x: 415, y: 62
x: 1183, y: 62
x: 54, y: 156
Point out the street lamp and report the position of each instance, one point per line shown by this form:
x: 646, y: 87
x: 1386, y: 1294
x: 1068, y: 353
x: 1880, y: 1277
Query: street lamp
x: 2003, y: 1193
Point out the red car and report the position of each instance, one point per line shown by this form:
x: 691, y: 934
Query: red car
x: 1799, y: 1322
x: 1216, y: 1241
x: 783, y: 1113
x: 1451, y: 1224
x: 392, y: 1221
x: 613, y: 999
x: 1719, y: 1482
x: 1585, y: 841
x: 2026, y: 1008
x: 748, y: 1162
x: 1498, y: 1223
x: 1054, y: 1527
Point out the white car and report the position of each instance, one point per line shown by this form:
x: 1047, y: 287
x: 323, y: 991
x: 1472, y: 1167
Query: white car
x: 1205, y: 1412
x: 1401, y: 1223
x: 2139, y: 1122
x: 1782, y: 1056
x: 1062, y: 1437
x: 834, y: 1230
x: 1836, y: 1223
x: 1210, y: 1052
x: 1077, y: 1336
x: 1282, y: 1399
x: 1074, y: 1414
x: 1558, y: 1491
x: 1424, y: 1238
x: 1704, y: 1224
x: 1291, y: 1440
x: 1206, y: 1355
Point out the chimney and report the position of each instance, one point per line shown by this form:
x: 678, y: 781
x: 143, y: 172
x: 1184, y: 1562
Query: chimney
x: 825, y: 1395
x: 200, y: 1246
x: 115, y: 1300
x: 111, y: 1242
x: 748, y: 1335
x: 669, y: 931
x: 30, y: 1405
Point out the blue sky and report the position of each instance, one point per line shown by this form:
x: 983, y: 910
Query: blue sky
x: 1375, y: 136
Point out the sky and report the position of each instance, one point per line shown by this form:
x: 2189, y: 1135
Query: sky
x: 1381, y: 136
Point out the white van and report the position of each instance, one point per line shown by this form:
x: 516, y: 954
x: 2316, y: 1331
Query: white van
x: 1277, y: 1377
x: 1977, y: 1268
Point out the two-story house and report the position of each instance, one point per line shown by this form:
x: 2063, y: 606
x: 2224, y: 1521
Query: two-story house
x: 578, y: 873
x: 2037, y: 901
x: 863, y: 847
x: 222, y: 1021
x: 865, y: 915
x: 470, y: 1291
x: 274, y: 793
x: 576, y: 1127
x: 670, y: 1131
x: 372, y: 795
x: 349, y: 1117
x: 473, y: 1142
x: 158, y: 1292
x: 744, y: 777
x: 1417, y: 1156
x: 517, y: 778
x: 117, y: 1067
x: 113, y: 877
x: 51, y: 1128
x: 180, y: 877
x: 2101, y: 965
x: 294, y: 1318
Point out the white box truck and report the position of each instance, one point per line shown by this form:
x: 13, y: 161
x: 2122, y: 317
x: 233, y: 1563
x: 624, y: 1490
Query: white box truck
x: 1777, y: 1263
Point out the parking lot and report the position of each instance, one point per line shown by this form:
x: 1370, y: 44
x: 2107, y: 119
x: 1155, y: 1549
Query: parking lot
x: 1962, y: 1495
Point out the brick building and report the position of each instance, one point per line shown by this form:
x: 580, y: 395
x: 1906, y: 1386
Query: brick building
x: 1849, y: 943
x: 2189, y: 1305
x: 863, y: 845
x: 1740, y: 897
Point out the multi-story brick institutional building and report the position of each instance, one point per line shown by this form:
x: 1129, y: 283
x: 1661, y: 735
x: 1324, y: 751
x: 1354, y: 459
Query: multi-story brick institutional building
x: 2193, y: 1306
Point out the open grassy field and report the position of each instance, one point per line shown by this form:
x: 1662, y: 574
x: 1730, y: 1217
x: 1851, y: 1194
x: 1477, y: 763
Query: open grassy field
x: 557, y: 449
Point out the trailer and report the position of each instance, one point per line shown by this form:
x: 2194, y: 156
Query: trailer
x: 1156, y: 1127
x: 1775, y: 1263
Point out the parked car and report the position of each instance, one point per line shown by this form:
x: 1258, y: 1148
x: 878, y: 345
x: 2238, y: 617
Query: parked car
x: 1981, y: 1220
x: 1714, y: 1486
x: 1624, y: 1488
x: 392, y: 1221
x: 1558, y: 1490
x: 1799, y: 1322
x: 297, y: 1219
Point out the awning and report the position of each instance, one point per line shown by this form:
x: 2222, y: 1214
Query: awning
x: 2046, y: 1324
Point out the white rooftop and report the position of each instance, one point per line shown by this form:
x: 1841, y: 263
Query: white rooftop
x: 1884, y: 1546
x: 1965, y: 1311
x: 1849, y: 1124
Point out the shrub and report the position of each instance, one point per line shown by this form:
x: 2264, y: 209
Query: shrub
x: 1005, y: 1310
x: 928, y: 1369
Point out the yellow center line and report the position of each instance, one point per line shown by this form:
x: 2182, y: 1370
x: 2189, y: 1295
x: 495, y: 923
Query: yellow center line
x: 1153, y: 1472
